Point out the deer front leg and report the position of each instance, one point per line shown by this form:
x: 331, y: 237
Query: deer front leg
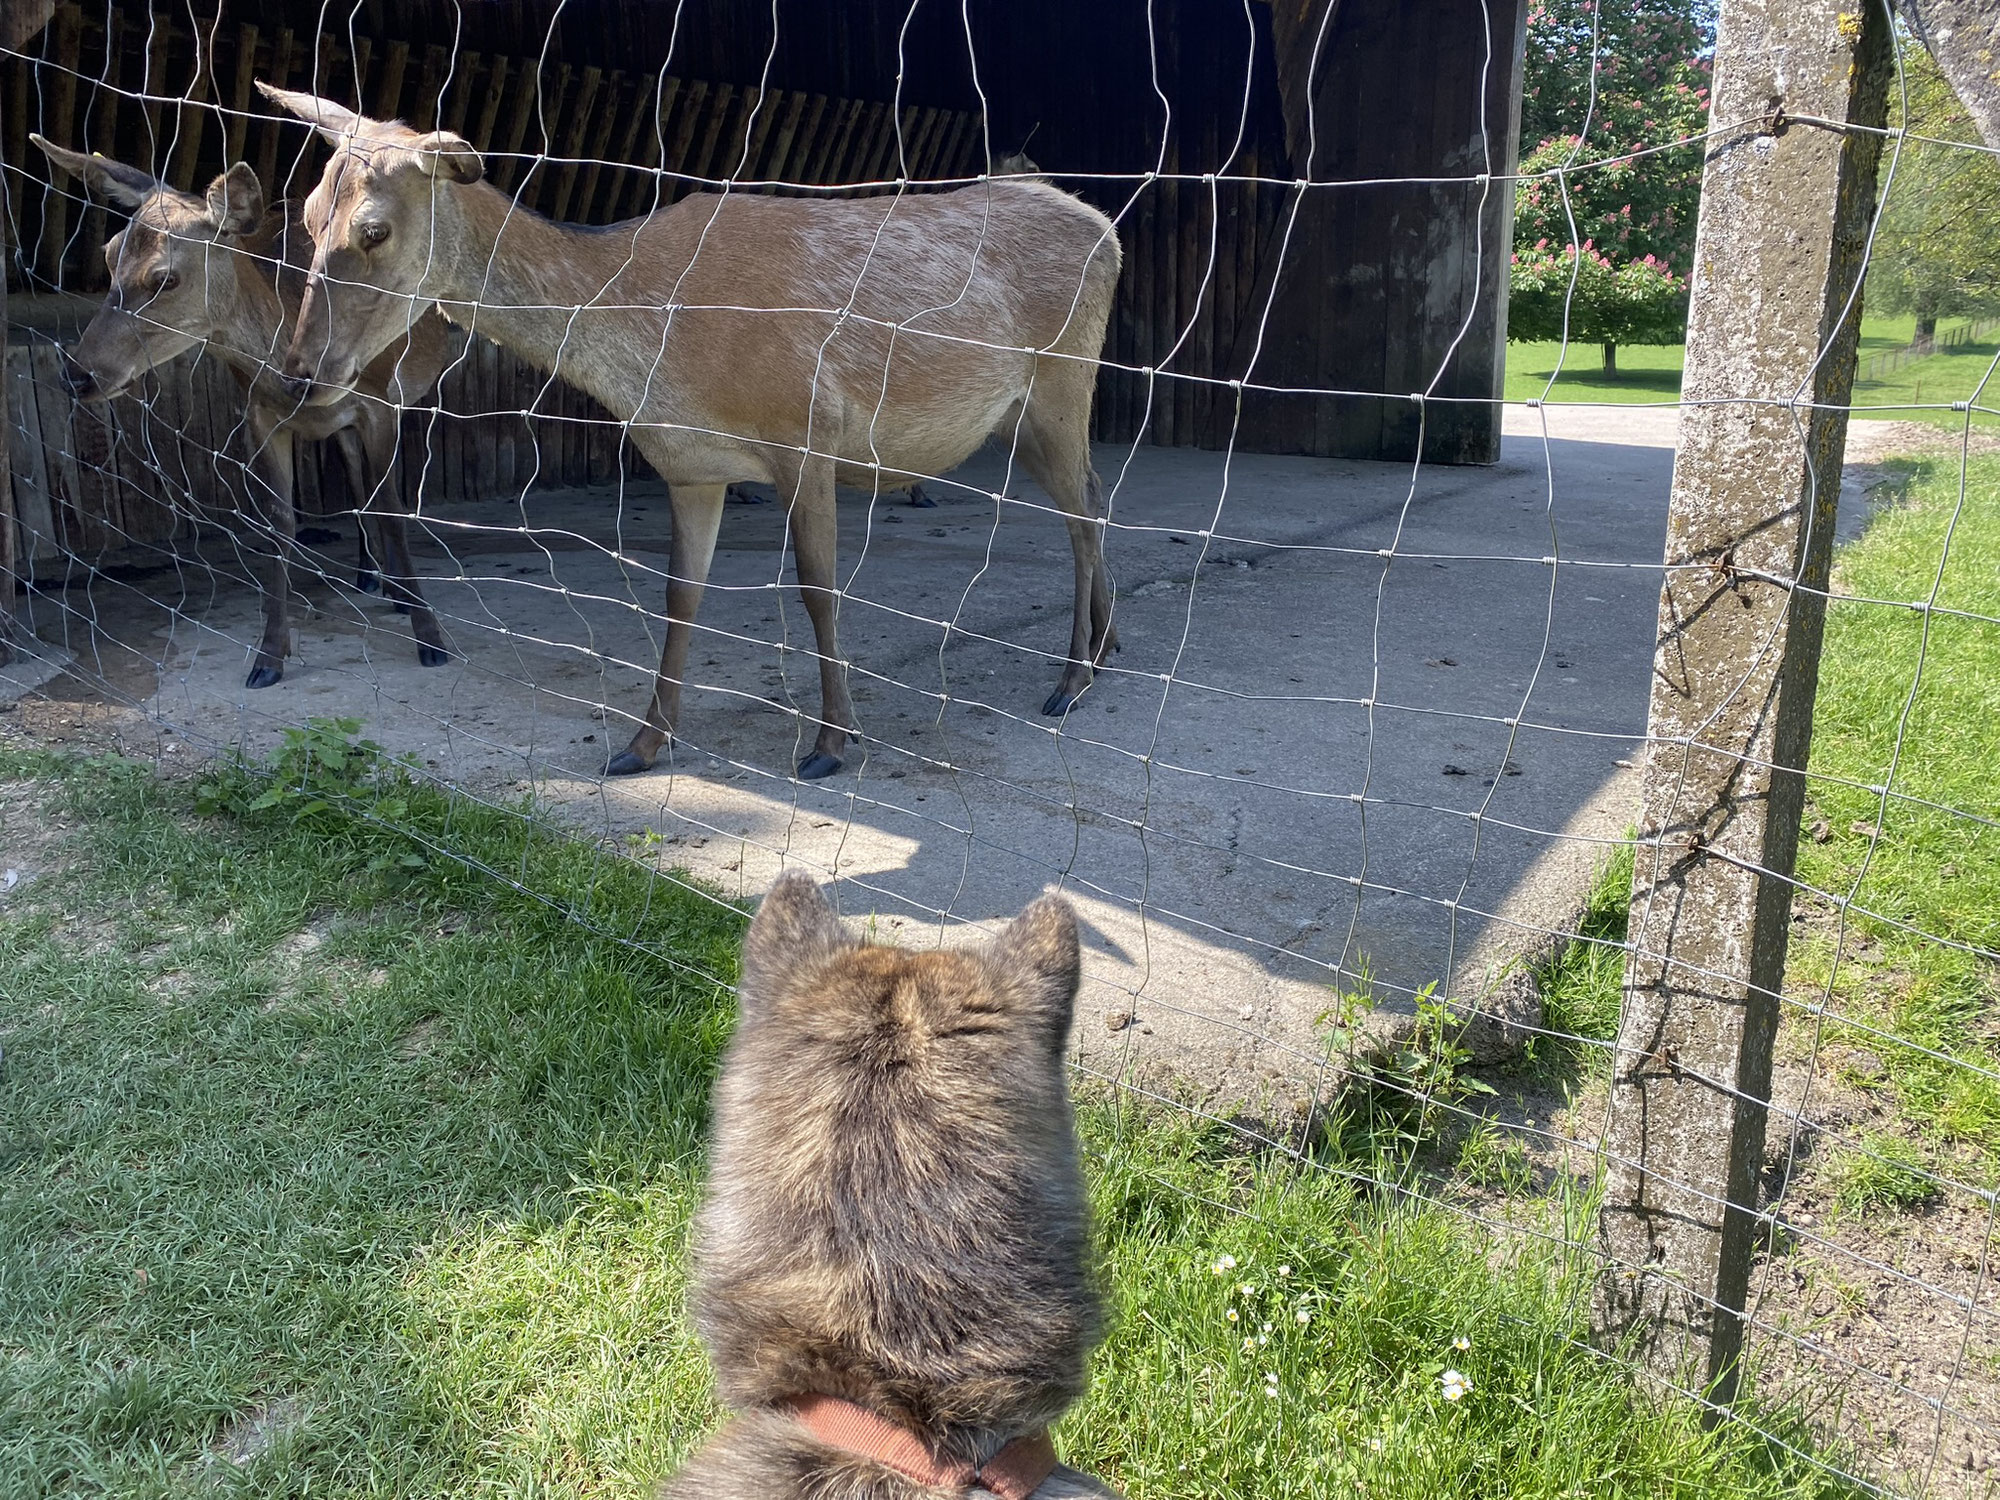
x: 815, y: 545
x: 697, y: 513
x: 370, y: 454
x: 271, y: 492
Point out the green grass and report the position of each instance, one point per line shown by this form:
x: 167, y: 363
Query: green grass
x: 1957, y: 375
x: 1920, y: 1009
x: 302, y: 1123
x: 1932, y: 868
x: 1652, y: 373
x: 1582, y: 987
x: 1646, y: 372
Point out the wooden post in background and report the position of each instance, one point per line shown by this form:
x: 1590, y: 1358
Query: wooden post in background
x: 1784, y: 216
x: 19, y: 21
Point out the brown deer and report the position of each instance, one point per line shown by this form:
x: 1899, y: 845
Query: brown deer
x: 223, y: 273
x: 792, y: 341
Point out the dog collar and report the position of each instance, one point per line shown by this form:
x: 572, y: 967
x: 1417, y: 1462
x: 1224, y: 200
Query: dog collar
x: 1014, y: 1473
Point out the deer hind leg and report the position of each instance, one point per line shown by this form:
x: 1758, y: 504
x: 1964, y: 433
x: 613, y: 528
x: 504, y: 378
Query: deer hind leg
x: 697, y: 513
x: 354, y: 459
x: 1055, y: 448
x: 270, y: 481
x: 815, y: 546
x: 370, y: 455
x: 367, y: 567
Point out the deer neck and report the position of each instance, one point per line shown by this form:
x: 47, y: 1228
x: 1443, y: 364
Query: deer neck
x: 253, y: 328
x: 506, y: 272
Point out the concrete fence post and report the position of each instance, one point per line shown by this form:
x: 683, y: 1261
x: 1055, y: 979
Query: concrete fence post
x: 1787, y: 196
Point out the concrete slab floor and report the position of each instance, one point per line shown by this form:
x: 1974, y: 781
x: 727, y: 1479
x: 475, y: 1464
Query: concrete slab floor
x: 1365, y: 736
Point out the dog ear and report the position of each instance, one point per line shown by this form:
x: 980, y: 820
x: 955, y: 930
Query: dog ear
x: 1039, y: 954
x: 794, y: 927
x: 236, y: 201
x: 442, y: 154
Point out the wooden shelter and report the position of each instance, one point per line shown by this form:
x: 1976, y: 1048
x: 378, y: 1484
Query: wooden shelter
x: 1313, y: 197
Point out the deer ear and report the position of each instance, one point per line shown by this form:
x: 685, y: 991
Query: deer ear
x: 329, y: 119
x: 128, y: 187
x: 442, y: 154
x: 793, y: 929
x: 1039, y: 958
x: 236, y: 200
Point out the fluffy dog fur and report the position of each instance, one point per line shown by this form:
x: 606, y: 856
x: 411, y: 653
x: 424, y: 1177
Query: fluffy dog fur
x: 895, y: 1212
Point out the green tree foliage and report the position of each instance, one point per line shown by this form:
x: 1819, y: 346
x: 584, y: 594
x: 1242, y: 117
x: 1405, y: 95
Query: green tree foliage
x: 1614, y: 302
x: 1628, y: 223
x: 1934, y: 252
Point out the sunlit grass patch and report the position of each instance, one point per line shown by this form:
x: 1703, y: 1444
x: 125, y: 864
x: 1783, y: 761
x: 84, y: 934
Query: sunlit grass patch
x: 1923, y: 863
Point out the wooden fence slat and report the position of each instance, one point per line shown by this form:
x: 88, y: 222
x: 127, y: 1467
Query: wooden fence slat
x: 792, y: 166
x: 570, y: 147
x: 633, y: 193
x: 489, y: 109
x: 237, y: 123
x: 66, y: 30
x: 430, y: 86
x: 526, y: 91
x: 597, y: 147
x: 269, y: 130
x: 59, y: 456
x: 538, y: 174
x: 106, y: 97
x: 718, y: 115
x: 482, y: 354
x: 464, y: 76
x: 193, y: 115
x: 1190, y: 261
x: 773, y: 169
x: 153, y: 85
x: 693, y: 112
x: 16, y: 140
x: 28, y: 459
x: 828, y: 159
x: 747, y: 144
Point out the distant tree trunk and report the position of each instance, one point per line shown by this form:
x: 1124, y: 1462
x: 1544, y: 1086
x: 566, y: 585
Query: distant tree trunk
x: 1610, y: 358
x: 1925, y: 338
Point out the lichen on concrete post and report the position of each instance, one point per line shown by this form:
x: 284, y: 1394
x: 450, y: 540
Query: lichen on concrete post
x: 1787, y: 194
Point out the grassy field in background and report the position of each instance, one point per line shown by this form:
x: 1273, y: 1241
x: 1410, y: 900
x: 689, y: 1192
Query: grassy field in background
x: 1652, y: 373
x: 328, y: 1167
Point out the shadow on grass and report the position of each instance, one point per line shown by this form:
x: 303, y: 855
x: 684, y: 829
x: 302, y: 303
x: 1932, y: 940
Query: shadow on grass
x: 1663, y: 385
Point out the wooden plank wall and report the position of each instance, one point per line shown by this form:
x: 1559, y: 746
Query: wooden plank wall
x: 502, y: 424
x: 113, y: 484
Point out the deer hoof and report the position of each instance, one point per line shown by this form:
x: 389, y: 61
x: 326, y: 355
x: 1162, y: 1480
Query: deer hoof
x: 263, y: 677
x: 1061, y: 701
x: 368, y: 581
x: 625, y: 763
x: 433, y: 656
x: 818, y: 764
x: 402, y: 608
x: 920, y: 500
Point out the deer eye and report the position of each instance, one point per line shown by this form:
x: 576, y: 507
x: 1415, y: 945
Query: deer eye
x: 166, y: 281
x: 374, y: 234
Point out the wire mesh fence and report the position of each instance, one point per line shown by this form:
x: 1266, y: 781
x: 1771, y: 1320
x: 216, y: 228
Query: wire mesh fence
x: 1387, y: 704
